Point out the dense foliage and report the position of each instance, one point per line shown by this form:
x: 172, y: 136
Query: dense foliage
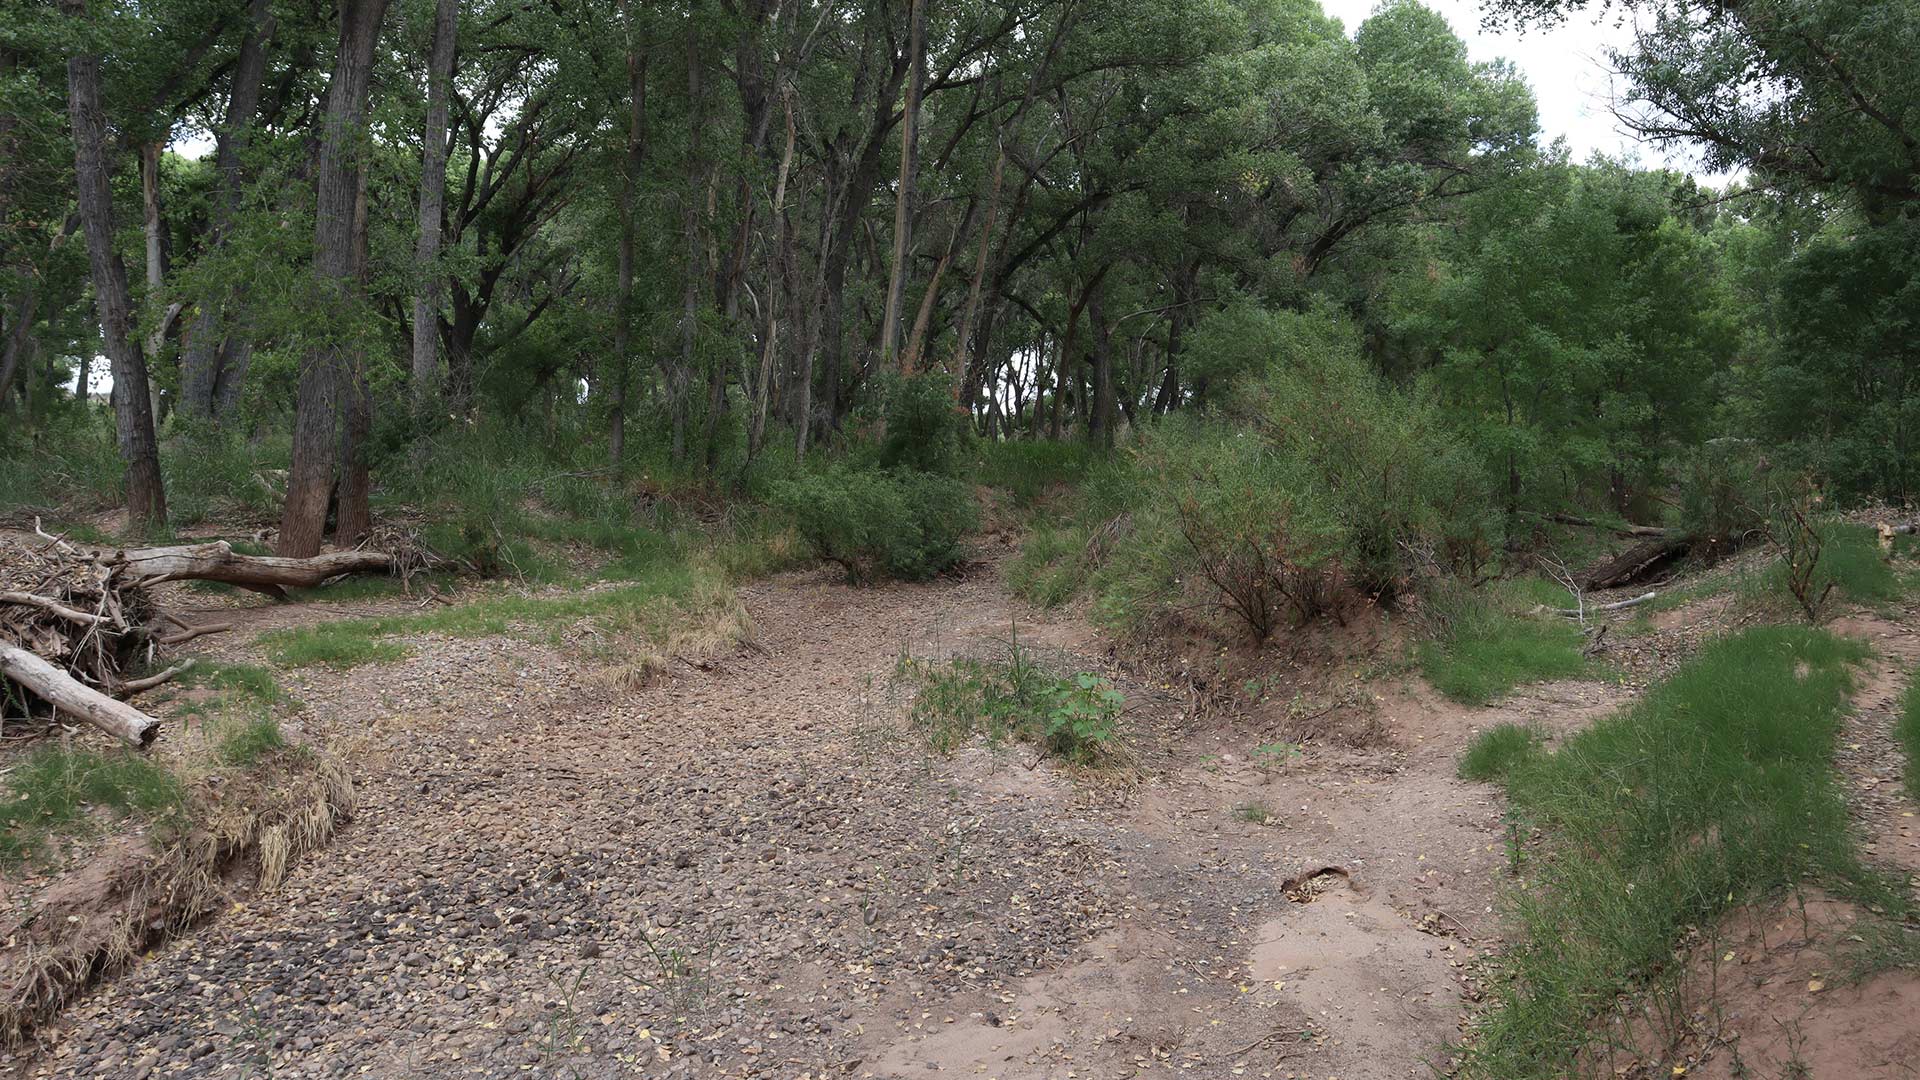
x: 1341, y: 310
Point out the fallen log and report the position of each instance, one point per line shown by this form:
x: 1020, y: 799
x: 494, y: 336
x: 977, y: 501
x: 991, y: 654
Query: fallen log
x: 1623, y: 529
x: 1636, y: 562
x: 217, y: 561
x: 76, y: 699
x: 1618, y: 605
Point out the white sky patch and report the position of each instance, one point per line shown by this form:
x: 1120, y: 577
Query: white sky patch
x: 1569, y: 70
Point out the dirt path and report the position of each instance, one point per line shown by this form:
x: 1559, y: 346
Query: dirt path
x: 753, y: 870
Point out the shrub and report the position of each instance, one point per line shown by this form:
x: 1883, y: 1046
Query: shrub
x: 1721, y: 490
x: 1399, y: 483
x: 877, y: 524
x: 1076, y: 717
x: 923, y: 425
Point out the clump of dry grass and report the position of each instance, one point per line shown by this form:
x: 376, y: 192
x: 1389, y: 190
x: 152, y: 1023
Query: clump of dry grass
x: 639, y: 642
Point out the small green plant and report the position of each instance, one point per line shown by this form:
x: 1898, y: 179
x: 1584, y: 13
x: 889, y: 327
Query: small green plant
x: 1253, y: 813
x: 1081, y: 716
x: 245, y: 742
x: 1276, y: 755
x: 1075, y: 717
x: 1495, y: 751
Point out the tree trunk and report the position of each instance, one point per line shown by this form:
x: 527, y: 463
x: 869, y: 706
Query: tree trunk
x: 16, y: 345
x: 315, y: 439
x: 963, y: 357
x: 1101, y: 422
x: 690, y: 224
x: 218, y: 562
x: 133, y: 411
x: 782, y: 263
x: 623, y: 293
x: 433, y: 197
x: 909, y: 169
x: 202, y: 363
x: 154, y: 226
x: 353, y: 518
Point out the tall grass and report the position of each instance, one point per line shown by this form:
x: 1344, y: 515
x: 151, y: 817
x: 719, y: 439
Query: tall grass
x: 55, y: 790
x: 651, y: 606
x: 1714, y: 790
x: 1485, y: 643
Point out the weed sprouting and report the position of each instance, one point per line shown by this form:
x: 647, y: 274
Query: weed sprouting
x: 1253, y: 813
x: 1075, y: 717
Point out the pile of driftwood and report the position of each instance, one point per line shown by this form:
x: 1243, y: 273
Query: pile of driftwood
x: 74, y: 620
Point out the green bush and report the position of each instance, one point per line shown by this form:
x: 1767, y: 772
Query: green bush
x: 875, y: 524
x: 1723, y: 494
x: 1399, y: 483
x: 1230, y: 518
x: 1076, y: 717
x: 923, y: 425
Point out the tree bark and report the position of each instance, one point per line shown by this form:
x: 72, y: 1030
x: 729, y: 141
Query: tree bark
x: 963, y: 358
x: 623, y: 290
x: 316, y: 418
x: 782, y: 263
x: 353, y: 518
x: 682, y: 377
x: 1101, y: 423
x: 909, y: 168
x: 433, y: 198
x: 202, y: 363
x: 76, y: 699
x: 133, y: 411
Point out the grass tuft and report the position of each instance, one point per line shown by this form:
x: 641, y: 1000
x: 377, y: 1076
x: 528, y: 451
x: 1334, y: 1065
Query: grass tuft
x: 1714, y: 790
x: 1495, y: 752
x: 1907, y: 730
x: 243, y: 744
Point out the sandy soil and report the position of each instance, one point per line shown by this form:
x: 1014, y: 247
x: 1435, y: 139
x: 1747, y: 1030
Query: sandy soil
x: 754, y: 869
